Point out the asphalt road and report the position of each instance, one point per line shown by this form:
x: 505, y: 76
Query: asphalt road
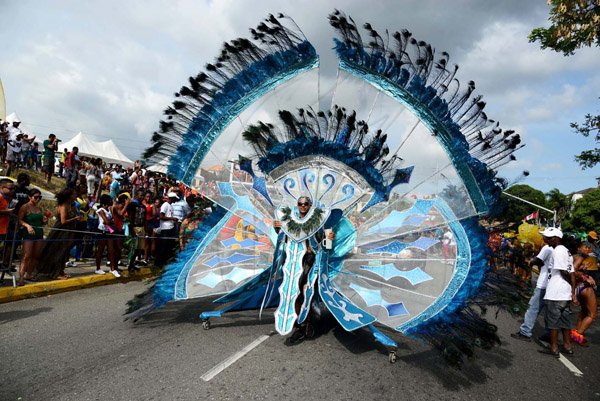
x: 76, y: 346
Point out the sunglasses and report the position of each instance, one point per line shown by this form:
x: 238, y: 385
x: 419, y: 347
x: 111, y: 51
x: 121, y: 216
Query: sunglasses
x: 303, y: 204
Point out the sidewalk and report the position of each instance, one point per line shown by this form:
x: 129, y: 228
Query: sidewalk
x: 82, y: 276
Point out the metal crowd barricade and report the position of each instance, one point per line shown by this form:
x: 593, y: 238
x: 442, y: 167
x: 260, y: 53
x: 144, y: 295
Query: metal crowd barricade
x: 9, y: 244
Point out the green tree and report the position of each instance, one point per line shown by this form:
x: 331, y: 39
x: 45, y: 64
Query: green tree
x: 591, y: 125
x: 515, y: 210
x: 574, y: 23
x: 586, y: 212
x: 560, y: 202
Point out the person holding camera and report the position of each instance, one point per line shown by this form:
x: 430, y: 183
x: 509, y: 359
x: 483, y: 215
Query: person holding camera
x: 50, y: 146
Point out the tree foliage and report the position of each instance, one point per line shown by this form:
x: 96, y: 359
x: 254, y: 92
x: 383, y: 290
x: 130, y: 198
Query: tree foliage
x: 574, y: 23
x: 591, y: 126
x: 515, y: 210
x: 586, y: 212
x: 560, y: 202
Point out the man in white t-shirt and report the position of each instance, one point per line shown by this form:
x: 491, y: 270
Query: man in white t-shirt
x: 536, y: 303
x: 559, y: 293
x: 167, y: 238
x: 14, y: 146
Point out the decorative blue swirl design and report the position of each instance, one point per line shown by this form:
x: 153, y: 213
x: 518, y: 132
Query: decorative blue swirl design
x: 348, y: 190
x: 329, y: 180
x: 287, y: 184
x: 308, y: 178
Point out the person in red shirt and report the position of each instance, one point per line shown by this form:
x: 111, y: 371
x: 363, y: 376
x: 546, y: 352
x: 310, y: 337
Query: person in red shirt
x: 7, y: 190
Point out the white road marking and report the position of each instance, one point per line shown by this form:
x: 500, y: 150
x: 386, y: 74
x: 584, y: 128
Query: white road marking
x: 570, y: 366
x: 233, y: 358
x: 566, y: 362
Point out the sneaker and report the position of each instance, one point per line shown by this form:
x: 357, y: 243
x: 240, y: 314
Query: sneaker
x: 70, y: 263
x: 520, y: 336
x: 100, y: 271
x: 142, y: 263
x: 297, y: 336
x: 115, y: 273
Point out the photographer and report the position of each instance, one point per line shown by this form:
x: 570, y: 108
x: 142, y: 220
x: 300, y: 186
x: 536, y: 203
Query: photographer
x: 50, y: 146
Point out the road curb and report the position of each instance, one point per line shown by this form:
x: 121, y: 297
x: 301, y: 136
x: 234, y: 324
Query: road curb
x: 41, y: 289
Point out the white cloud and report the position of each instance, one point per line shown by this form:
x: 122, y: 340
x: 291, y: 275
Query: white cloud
x: 109, y: 68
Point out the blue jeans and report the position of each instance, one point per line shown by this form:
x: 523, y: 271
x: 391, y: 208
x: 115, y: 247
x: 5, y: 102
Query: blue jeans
x: 536, y: 305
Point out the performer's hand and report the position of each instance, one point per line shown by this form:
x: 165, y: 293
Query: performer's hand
x: 331, y: 235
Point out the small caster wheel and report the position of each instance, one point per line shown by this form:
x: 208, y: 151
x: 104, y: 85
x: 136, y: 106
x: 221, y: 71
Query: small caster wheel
x: 392, y: 357
x: 206, y: 325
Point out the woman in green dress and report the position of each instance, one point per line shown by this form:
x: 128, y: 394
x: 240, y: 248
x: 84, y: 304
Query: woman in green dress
x: 31, y: 218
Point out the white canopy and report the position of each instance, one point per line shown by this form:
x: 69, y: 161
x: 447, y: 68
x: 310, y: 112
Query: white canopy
x: 106, y: 150
x: 12, y: 117
x: 160, y: 167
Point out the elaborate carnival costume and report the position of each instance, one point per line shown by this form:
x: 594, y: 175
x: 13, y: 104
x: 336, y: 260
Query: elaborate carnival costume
x: 404, y: 155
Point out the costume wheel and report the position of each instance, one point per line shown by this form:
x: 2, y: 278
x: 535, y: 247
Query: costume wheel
x: 206, y: 324
x: 392, y: 358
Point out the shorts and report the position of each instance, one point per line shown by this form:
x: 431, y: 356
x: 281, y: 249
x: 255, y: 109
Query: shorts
x: 12, y: 156
x: 49, y: 164
x: 558, y: 315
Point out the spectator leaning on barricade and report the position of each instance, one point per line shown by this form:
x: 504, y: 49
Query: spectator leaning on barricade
x: 7, y: 187
x: 152, y: 222
x: 180, y: 208
x: 536, y: 303
x: 32, y: 219
x: 105, y: 229
x: 559, y: 293
x: 167, y: 237
x: 60, y: 239
x: 118, y: 211
x: 136, y: 217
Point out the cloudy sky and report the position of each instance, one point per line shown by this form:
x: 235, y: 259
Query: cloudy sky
x: 108, y: 68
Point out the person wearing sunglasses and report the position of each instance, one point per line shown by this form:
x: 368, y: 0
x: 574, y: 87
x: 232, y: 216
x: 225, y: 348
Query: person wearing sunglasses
x: 306, y: 329
x: 32, y: 219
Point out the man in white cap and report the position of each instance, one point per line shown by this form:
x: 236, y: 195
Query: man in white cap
x: 167, y: 238
x: 559, y: 293
x: 14, y: 146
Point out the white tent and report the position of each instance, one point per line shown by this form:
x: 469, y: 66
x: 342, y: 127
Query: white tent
x: 12, y: 117
x: 160, y: 167
x: 106, y: 150
x: 109, y: 148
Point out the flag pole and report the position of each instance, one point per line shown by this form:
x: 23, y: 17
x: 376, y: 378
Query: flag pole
x: 533, y: 204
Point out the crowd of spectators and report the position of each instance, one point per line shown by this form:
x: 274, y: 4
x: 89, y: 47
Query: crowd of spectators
x: 127, y: 216
x: 566, y: 267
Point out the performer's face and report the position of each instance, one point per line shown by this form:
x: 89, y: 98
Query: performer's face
x: 303, y: 206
